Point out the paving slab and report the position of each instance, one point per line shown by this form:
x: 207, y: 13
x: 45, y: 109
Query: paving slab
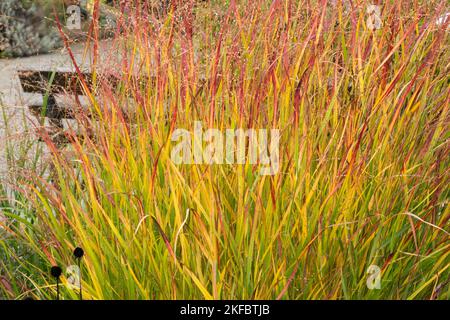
x: 16, y: 122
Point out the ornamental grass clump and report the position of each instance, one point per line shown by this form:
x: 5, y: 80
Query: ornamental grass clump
x: 363, y: 153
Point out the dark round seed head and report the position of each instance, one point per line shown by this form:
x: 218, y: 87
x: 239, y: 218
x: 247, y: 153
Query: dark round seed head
x: 55, y: 271
x: 78, y: 252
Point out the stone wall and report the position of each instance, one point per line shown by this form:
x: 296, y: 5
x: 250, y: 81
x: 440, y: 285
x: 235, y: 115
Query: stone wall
x: 24, y: 31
